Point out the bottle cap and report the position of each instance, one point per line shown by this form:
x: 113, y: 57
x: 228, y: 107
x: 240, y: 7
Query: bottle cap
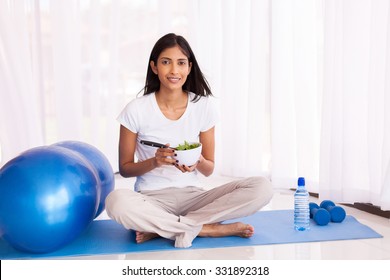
x: 301, y: 181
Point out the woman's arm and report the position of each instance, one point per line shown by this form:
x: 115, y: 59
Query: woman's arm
x: 127, y: 166
x: 206, y: 161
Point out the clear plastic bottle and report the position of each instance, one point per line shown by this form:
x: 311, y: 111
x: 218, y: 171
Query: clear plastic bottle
x: 301, y: 207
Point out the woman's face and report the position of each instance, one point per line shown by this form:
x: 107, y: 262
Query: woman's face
x: 172, y: 69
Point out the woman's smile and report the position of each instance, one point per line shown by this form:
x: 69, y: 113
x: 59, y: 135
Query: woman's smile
x: 174, y: 79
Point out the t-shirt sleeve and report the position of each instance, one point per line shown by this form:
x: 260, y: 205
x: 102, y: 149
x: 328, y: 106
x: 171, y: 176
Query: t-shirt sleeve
x: 211, y: 114
x: 129, y: 117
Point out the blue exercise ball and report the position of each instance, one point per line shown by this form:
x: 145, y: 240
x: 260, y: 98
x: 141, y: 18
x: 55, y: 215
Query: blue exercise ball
x: 48, y: 196
x: 101, y: 164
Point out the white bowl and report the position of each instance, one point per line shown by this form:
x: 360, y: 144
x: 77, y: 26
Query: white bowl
x: 188, y: 157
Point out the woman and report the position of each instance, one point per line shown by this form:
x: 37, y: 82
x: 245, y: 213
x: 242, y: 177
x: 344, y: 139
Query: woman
x: 177, y: 105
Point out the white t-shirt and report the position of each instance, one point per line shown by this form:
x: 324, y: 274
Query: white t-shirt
x: 144, y: 117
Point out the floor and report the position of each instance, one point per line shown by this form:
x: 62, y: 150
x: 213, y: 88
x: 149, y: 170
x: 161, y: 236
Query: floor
x: 364, y: 249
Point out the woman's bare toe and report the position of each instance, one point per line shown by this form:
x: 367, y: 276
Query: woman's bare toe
x: 141, y: 237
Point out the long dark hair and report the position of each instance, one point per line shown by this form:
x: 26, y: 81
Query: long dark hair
x: 196, y: 82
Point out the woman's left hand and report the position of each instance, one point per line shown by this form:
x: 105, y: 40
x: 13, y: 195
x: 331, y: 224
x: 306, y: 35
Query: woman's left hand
x: 184, y: 168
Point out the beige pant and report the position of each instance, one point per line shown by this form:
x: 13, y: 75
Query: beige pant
x: 179, y: 213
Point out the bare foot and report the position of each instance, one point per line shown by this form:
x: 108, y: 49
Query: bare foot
x: 234, y: 229
x: 141, y: 237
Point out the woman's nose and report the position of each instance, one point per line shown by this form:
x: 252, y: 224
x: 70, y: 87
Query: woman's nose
x: 174, y: 68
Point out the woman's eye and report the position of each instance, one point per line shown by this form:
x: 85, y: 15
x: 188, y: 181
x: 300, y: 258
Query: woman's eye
x: 164, y: 62
x: 182, y: 63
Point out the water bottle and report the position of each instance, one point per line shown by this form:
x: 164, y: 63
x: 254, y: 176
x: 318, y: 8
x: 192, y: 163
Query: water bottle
x: 301, y: 207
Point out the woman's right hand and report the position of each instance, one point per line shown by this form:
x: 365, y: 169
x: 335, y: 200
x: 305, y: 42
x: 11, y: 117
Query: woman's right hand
x: 164, y: 156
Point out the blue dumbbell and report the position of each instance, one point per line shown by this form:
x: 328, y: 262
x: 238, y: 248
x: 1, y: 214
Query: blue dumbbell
x: 319, y: 215
x: 337, y: 213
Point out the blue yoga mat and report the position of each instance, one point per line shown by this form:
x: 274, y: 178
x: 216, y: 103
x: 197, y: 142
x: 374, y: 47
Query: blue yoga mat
x: 272, y: 227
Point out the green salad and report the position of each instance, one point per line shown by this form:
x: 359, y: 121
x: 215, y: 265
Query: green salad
x: 187, y: 146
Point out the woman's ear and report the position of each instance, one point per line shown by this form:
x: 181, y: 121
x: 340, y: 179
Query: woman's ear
x: 189, y: 68
x: 154, y: 67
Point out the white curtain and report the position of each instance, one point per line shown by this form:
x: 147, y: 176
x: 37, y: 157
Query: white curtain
x: 303, y: 85
x: 21, y: 105
x: 355, y: 135
x: 295, y: 70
